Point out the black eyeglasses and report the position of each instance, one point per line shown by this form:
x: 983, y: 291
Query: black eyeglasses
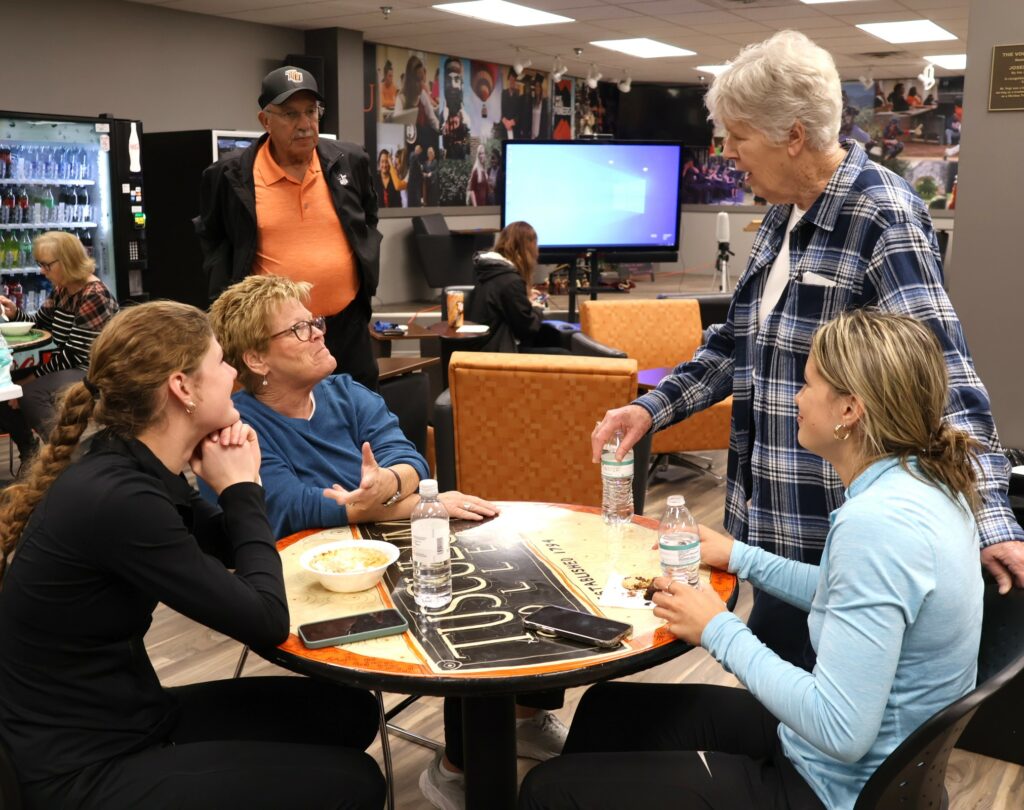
x: 47, y: 265
x: 303, y: 330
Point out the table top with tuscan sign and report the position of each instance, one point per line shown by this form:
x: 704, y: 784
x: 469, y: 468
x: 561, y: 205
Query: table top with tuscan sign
x: 477, y: 648
x: 502, y: 570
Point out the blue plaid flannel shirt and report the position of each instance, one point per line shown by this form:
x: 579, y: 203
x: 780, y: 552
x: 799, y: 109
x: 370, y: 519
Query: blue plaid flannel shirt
x: 870, y: 235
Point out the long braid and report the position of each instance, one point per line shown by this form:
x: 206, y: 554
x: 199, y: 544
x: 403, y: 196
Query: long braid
x: 19, y: 499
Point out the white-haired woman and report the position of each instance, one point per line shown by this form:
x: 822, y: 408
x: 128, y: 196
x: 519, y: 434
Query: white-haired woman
x: 895, y: 611
x: 842, y: 233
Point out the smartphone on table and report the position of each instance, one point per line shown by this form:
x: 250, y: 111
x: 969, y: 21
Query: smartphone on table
x: 578, y: 626
x: 346, y: 629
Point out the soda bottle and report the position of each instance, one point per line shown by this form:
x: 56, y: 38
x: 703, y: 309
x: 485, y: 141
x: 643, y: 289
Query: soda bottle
x: 431, y: 556
x: 17, y: 296
x: 62, y: 205
x: 48, y: 213
x: 7, y: 207
x: 679, y: 542
x: 11, y: 250
x: 24, y: 215
x: 72, y: 203
x: 26, y: 248
x: 84, y: 210
x: 617, y: 483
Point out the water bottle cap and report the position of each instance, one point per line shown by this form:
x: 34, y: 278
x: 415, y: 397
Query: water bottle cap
x: 676, y: 500
x: 428, y: 488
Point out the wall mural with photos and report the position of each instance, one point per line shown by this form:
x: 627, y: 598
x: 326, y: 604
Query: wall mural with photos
x: 435, y: 124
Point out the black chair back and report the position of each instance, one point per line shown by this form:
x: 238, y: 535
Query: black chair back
x: 714, y: 307
x: 444, y: 258
x: 914, y: 774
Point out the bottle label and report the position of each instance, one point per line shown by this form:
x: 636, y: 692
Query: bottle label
x: 610, y: 468
x: 678, y: 550
x: 430, y: 541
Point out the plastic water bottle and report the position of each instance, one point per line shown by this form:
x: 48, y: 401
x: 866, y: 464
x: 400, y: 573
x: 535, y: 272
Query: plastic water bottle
x: 431, y: 556
x: 679, y: 542
x: 617, y: 483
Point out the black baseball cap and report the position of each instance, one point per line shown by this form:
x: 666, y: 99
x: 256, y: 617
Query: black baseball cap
x: 281, y: 84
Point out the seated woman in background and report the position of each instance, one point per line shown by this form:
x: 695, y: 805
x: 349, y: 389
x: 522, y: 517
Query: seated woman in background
x: 895, y: 610
x: 333, y: 453
x: 91, y: 547
x: 504, y: 297
x: 75, y: 312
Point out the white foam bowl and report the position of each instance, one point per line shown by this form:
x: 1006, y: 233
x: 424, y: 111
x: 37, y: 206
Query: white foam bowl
x: 360, y: 579
x: 16, y: 327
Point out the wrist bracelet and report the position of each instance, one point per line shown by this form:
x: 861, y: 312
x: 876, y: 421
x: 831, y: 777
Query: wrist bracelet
x: 398, y: 488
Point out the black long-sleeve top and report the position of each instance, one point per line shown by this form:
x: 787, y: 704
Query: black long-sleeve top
x: 499, y: 300
x: 115, y: 534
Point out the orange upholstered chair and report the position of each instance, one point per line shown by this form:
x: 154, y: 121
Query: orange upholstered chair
x: 662, y: 333
x: 522, y: 424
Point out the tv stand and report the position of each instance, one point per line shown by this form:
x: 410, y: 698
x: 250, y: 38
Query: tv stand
x: 593, y: 289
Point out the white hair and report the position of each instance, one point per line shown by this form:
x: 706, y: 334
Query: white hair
x: 773, y: 84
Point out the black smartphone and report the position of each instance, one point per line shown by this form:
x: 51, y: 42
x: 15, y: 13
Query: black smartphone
x: 346, y: 629
x: 574, y: 624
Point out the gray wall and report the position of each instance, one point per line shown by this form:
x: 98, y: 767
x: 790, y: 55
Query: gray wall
x: 171, y: 69
x: 988, y: 289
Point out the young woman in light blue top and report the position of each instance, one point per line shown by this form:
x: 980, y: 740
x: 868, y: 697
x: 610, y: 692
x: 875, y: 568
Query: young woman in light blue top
x: 895, y: 611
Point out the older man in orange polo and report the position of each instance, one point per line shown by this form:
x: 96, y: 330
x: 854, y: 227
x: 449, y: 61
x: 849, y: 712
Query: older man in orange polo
x: 296, y: 206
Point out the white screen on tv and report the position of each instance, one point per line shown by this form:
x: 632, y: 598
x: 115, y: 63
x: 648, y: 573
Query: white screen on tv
x: 593, y: 195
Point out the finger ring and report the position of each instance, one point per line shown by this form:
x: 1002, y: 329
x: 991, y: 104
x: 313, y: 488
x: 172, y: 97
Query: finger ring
x: 467, y: 506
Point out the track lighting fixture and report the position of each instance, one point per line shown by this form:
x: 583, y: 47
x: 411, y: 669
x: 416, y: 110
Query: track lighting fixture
x: 593, y: 76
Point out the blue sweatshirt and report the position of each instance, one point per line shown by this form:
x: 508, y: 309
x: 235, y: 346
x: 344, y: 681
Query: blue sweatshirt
x: 895, y: 620
x: 303, y: 457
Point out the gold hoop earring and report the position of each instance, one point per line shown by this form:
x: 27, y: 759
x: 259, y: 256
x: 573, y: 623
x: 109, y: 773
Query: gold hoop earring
x: 839, y: 435
x: 190, y: 407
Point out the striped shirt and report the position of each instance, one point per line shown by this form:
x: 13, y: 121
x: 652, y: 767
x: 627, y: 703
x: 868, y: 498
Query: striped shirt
x: 74, y: 320
x: 866, y: 241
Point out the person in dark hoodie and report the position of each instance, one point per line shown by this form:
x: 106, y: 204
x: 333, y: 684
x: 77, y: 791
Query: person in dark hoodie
x: 504, y: 298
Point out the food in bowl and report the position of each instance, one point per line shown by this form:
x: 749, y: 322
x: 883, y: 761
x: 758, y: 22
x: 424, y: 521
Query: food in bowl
x: 348, y: 560
x: 16, y: 327
x: 347, y: 566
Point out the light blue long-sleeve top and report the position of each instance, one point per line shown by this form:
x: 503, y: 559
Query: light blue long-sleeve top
x: 303, y: 457
x: 895, y: 620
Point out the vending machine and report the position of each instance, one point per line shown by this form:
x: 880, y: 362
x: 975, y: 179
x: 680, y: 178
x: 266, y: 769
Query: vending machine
x: 82, y: 175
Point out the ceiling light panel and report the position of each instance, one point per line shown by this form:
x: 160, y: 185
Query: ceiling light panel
x: 642, y: 47
x: 949, y: 61
x: 503, y: 13
x: 907, y: 31
x: 714, y: 70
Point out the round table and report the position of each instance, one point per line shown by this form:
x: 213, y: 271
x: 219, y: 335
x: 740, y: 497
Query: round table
x: 477, y: 648
x: 33, y: 339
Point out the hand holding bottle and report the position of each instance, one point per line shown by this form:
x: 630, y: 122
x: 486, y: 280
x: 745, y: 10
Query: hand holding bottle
x: 715, y: 547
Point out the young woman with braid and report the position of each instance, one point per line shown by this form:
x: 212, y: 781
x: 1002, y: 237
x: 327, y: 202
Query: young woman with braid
x: 91, y: 546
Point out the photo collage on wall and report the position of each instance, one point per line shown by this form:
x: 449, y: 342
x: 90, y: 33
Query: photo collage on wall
x: 911, y: 131
x: 440, y: 122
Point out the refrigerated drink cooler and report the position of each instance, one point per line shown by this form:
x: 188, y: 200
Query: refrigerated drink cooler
x: 82, y: 175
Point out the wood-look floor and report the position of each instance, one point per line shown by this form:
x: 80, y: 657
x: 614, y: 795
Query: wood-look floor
x: 184, y: 652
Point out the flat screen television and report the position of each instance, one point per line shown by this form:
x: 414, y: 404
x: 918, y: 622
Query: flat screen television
x: 613, y: 197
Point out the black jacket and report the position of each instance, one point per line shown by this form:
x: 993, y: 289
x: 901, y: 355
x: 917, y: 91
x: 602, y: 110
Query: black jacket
x: 227, y: 220
x: 116, y: 533
x: 499, y: 300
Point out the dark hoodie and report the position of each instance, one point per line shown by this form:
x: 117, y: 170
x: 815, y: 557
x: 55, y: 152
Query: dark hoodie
x: 500, y: 301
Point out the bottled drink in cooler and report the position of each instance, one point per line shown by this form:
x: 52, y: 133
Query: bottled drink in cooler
x: 431, y: 556
x: 679, y: 542
x: 11, y: 250
x: 24, y: 214
x: 62, y: 206
x: 48, y: 213
x: 85, y: 237
x: 17, y: 295
x: 7, y: 206
x: 84, y: 209
x: 72, y: 203
x: 26, y: 248
x: 617, y: 483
